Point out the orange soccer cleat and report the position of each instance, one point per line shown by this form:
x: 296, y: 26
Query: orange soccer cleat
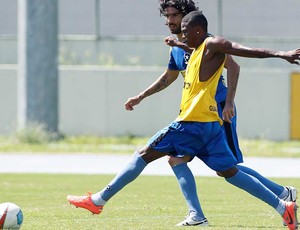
x: 292, y: 196
x: 290, y: 215
x: 85, y: 202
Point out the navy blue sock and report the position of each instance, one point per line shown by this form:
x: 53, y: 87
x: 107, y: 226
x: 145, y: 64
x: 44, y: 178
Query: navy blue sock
x: 275, y: 188
x: 253, y: 186
x: 187, y: 185
x: 124, y: 177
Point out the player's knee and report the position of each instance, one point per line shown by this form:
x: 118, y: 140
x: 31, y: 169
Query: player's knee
x: 173, y: 161
x: 219, y: 174
x: 148, y: 154
x: 228, y: 173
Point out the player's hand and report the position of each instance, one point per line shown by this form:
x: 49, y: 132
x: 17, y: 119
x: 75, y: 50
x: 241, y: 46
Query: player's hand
x: 293, y: 56
x: 228, y: 112
x: 132, y: 102
x: 171, y: 41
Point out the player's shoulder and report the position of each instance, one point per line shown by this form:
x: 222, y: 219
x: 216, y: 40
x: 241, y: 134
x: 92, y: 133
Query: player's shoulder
x: 214, y: 42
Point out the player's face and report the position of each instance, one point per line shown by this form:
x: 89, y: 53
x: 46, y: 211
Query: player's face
x: 189, y: 35
x: 173, y: 19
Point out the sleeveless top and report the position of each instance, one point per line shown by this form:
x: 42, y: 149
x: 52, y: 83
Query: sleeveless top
x: 198, y: 101
x: 178, y: 60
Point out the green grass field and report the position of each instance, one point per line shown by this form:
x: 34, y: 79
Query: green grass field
x: 150, y: 202
x: 128, y: 144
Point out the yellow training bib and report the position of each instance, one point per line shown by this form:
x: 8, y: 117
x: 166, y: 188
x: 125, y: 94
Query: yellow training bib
x: 198, y: 98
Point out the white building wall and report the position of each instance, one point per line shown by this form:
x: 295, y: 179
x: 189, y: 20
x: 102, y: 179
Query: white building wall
x: 8, y: 99
x: 263, y: 103
x: 91, y: 101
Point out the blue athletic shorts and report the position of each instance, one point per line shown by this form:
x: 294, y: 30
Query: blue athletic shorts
x: 206, y: 140
x: 231, y: 134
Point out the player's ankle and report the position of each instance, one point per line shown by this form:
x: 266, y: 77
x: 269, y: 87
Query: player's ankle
x: 97, y: 199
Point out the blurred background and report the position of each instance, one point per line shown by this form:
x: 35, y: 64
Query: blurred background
x: 71, y: 65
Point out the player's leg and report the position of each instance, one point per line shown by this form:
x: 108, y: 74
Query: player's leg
x: 250, y: 184
x: 225, y: 166
x: 130, y: 172
x: 95, y: 202
x: 253, y: 186
x: 187, y: 144
x: 287, y: 193
x: 222, y: 164
x: 232, y: 140
x: 187, y: 185
x: 188, y: 138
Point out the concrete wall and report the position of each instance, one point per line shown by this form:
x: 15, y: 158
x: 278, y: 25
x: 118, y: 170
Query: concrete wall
x: 91, y: 101
x: 263, y: 102
x: 137, y: 51
x: 133, y: 17
x: 86, y: 50
x: 8, y: 99
x: 91, y: 97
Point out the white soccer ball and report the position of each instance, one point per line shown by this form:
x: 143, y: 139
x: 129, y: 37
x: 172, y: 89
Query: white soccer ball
x: 11, y: 216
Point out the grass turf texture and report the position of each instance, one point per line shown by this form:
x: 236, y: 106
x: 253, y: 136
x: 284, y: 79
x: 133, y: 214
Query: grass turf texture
x: 128, y: 144
x: 150, y: 202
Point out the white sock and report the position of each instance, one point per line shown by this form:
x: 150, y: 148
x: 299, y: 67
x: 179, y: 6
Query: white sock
x: 97, y: 199
x: 284, y: 194
x: 281, y: 207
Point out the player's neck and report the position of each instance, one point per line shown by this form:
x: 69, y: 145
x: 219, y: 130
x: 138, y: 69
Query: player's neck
x: 201, y: 40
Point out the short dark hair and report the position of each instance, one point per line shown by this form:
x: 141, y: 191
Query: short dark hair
x: 184, y: 6
x: 196, y: 18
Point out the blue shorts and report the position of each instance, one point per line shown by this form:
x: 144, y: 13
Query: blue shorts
x: 206, y: 140
x: 231, y: 134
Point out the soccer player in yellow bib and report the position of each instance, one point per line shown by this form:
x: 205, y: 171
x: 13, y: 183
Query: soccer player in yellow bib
x: 197, y: 130
x: 174, y: 11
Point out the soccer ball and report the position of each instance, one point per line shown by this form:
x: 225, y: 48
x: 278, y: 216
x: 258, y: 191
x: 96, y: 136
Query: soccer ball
x: 11, y: 216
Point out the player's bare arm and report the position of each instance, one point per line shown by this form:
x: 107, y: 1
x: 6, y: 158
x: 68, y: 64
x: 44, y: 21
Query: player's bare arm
x: 233, y: 71
x: 166, y: 79
x: 221, y: 45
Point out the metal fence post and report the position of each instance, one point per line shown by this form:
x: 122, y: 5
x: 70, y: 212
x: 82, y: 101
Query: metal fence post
x: 37, y: 64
